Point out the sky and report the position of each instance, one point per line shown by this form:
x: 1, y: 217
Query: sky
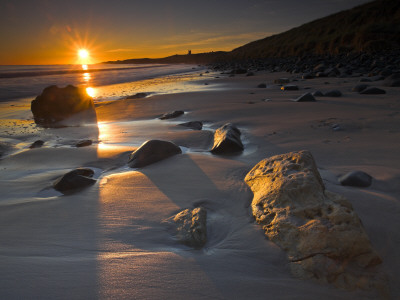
x: 52, y: 31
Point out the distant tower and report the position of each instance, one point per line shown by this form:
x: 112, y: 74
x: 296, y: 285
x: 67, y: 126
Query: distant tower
x: 189, y: 52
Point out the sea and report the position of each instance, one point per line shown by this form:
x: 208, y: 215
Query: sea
x: 104, y: 82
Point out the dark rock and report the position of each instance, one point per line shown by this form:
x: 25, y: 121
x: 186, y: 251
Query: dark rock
x: 197, y: 125
x: 262, y: 85
x: 250, y: 74
x: 281, y: 80
x: 191, y: 227
x: 83, y: 143
x: 227, y: 140
x: 74, y: 181
x: 172, y: 115
x: 360, y: 87
x: 365, y: 80
x: 137, y: 96
x: 308, y: 97
x: 372, y: 91
x: 239, y: 71
x: 152, y: 151
x: 333, y: 93
x: 69, y: 106
x: 318, y: 94
x: 321, y: 74
x: 392, y: 80
x: 307, y: 76
x: 356, y: 178
x: 290, y: 87
x: 36, y: 144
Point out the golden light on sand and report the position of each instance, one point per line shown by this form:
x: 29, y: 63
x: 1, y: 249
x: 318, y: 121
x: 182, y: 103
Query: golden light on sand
x: 83, y: 53
x: 91, y: 91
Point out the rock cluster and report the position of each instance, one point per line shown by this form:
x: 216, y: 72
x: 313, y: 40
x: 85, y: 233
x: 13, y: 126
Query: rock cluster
x: 172, y: 115
x: 69, y: 106
x: 322, y: 235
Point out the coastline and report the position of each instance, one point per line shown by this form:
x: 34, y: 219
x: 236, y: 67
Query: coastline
x: 109, y: 240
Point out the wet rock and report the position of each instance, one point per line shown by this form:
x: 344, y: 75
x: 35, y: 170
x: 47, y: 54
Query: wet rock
x: 372, y: 91
x: 360, y: 87
x: 308, y: 76
x: 356, y: 178
x: 227, y: 140
x: 333, y: 93
x: 239, y: 71
x: 36, y: 144
x: 69, y: 106
x: 74, y: 181
x: 262, y: 86
x: 290, y: 87
x: 319, y: 230
x: 250, y: 74
x: 393, y: 80
x: 282, y: 81
x: 83, y: 143
x: 172, y: 115
x: 308, y: 97
x: 152, y: 151
x: 191, y: 227
x: 196, y: 125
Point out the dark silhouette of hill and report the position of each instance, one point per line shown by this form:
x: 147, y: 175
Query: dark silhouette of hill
x: 371, y: 27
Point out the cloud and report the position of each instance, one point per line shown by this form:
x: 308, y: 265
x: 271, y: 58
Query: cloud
x: 121, y: 50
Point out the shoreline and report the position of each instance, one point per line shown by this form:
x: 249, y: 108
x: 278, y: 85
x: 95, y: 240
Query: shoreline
x: 110, y: 241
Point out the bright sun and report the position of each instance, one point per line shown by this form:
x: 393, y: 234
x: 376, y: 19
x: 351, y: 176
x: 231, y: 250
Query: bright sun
x: 83, y: 53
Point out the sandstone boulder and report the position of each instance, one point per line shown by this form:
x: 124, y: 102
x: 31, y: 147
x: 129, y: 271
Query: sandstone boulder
x: 69, y: 106
x: 74, y: 181
x: 191, y: 227
x: 322, y: 235
x: 152, y: 151
x: 227, y: 140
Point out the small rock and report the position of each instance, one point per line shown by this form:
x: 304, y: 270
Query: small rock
x: 250, y: 74
x: 318, y: 94
x: 36, y: 144
x: 393, y: 80
x: 137, y: 96
x: 308, y: 97
x: 262, y: 85
x: 356, y: 178
x: 281, y: 80
x: 172, y: 115
x: 360, y: 87
x: 191, y: 227
x: 152, y: 151
x: 83, y: 143
x: 74, y: 181
x: 372, y: 91
x: 333, y: 93
x: 307, y: 76
x: 227, y: 140
x: 196, y: 125
x: 290, y: 87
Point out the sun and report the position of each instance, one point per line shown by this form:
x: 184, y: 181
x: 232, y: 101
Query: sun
x: 83, y: 53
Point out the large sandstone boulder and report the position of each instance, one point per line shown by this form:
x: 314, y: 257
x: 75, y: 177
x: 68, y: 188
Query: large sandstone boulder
x: 322, y: 235
x: 227, y: 140
x: 74, y: 181
x: 69, y: 106
x: 152, y: 151
x: 191, y: 227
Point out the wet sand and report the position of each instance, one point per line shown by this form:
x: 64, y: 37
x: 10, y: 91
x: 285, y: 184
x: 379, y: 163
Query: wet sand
x: 110, y: 241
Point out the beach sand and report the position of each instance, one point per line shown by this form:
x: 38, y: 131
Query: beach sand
x: 109, y: 241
